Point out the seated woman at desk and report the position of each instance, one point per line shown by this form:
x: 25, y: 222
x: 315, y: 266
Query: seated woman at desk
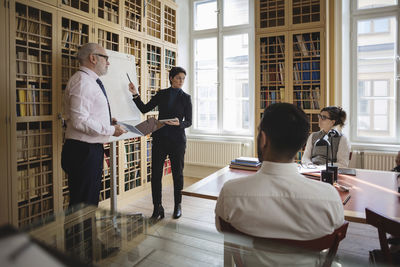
x: 328, y: 119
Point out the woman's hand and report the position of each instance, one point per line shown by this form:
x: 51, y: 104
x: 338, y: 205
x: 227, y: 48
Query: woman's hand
x: 132, y: 89
x: 174, y: 122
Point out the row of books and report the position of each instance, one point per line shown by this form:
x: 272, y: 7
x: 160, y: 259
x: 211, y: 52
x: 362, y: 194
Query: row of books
x: 33, y: 181
x: 133, y: 48
x: 132, y: 174
x: 33, y: 64
x: 304, y: 100
x: 272, y: 73
x: 170, y: 58
x: 35, y: 208
x: 33, y: 103
x: 73, y: 39
x: 301, y: 71
x: 154, y: 57
x: 273, y: 95
x: 154, y: 79
x: 109, y: 13
x: 133, y: 20
x: 272, y: 45
x: 109, y: 45
x: 245, y: 163
x: 108, y: 36
x: 24, y: 25
x: 306, y: 45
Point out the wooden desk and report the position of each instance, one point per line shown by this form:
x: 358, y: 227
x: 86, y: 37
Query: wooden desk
x: 373, y: 189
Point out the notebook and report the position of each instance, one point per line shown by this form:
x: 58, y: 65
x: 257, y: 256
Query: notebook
x: 144, y: 128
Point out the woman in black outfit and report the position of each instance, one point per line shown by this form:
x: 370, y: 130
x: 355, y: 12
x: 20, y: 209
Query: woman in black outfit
x: 170, y: 140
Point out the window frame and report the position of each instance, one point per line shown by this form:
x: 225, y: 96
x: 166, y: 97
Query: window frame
x: 364, y: 14
x: 219, y: 33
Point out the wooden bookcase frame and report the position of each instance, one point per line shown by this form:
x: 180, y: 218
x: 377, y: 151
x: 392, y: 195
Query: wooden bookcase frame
x: 46, y: 129
x: 291, y: 68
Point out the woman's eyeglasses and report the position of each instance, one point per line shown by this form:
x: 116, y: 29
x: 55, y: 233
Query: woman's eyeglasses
x: 323, y: 117
x: 100, y: 55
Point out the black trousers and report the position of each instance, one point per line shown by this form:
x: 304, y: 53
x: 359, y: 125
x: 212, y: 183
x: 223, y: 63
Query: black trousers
x: 83, y: 162
x: 176, y: 152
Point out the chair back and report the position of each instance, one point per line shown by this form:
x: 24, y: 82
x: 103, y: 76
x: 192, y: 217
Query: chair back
x: 330, y: 241
x: 385, y: 226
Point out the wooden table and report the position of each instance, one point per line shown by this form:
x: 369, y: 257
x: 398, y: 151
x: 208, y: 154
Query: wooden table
x: 376, y: 190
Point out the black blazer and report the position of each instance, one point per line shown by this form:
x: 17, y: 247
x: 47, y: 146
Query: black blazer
x: 181, y: 108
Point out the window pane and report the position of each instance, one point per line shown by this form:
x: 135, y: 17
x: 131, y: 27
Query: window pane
x: 380, y: 123
x: 380, y: 88
x: 364, y: 26
x: 376, y: 71
x: 381, y: 25
x: 205, y: 15
x: 236, y: 116
x: 205, y: 75
x: 364, y: 4
x: 236, y: 12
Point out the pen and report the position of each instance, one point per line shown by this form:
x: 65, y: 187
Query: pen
x: 346, y: 200
x: 128, y: 77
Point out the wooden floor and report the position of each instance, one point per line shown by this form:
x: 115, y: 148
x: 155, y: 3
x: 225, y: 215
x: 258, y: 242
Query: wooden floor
x: 359, y: 241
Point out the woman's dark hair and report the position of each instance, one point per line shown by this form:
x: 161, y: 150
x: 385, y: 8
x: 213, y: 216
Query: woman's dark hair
x: 287, y: 127
x: 337, y: 114
x: 175, y: 71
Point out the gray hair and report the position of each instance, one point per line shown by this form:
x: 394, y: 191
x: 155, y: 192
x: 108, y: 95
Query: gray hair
x: 85, y: 51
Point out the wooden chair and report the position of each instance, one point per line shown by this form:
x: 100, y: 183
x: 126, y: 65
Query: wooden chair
x: 385, y: 226
x: 330, y: 242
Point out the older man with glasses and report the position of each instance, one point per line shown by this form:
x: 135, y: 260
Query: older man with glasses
x: 88, y: 126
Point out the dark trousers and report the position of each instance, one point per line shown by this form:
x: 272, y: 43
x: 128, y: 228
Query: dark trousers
x: 176, y: 152
x: 83, y: 162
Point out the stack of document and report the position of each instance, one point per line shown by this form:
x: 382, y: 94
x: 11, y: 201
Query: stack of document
x: 245, y: 163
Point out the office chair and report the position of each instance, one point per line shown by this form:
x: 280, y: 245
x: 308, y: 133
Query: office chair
x: 385, y: 226
x: 330, y: 242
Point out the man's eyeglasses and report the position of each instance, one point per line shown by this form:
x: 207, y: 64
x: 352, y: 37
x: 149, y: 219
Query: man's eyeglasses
x: 323, y: 117
x: 100, y: 55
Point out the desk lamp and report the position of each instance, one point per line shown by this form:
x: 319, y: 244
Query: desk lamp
x: 326, y: 175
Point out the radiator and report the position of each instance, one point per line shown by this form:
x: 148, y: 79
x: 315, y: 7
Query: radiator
x: 384, y: 161
x: 212, y: 153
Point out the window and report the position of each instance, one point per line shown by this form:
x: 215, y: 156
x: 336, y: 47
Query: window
x: 373, y: 26
x: 222, y: 91
x: 375, y: 72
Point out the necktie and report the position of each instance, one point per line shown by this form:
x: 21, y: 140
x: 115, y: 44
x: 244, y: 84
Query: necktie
x: 105, y: 94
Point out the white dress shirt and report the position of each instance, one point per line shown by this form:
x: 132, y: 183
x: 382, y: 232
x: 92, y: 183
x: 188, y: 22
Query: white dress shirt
x: 278, y: 202
x: 342, y: 155
x: 86, y: 109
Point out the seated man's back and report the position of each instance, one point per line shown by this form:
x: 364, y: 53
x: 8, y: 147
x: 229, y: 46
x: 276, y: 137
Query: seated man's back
x: 278, y: 202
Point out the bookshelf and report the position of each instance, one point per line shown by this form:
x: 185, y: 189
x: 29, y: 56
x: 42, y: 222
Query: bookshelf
x: 108, y: 10
x: 134, y: 47
x: 43, y: 39
x: 108, y: 39
x: 153, y: 70
x: 153, y: 17
x: 132, y: 164
x: 169, y: 24
x: 169, y: 62
x: 82, y: 6
x: 133, y: 15
x: 290, y: 56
